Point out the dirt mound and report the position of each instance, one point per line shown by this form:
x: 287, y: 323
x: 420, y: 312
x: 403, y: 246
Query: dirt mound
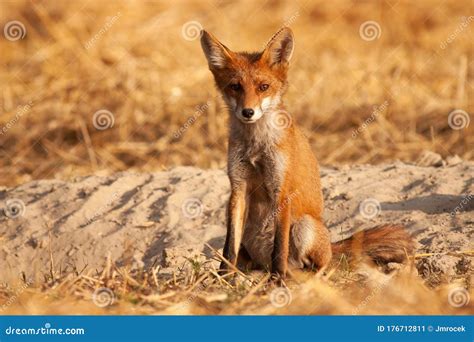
x: 55, y: 227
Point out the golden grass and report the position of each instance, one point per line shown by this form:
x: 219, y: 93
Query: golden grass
x: 131, y: 59
x: 196, y: 288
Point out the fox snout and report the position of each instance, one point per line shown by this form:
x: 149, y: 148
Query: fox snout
x: 252, y: 113
x: 247, y: 113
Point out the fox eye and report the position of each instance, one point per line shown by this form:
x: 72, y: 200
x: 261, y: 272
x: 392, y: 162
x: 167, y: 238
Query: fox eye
x: 235, y: 86
x: 263, y: 87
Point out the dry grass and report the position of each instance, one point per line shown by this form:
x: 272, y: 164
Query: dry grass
x: 140, y: 68
x: 196, y: 288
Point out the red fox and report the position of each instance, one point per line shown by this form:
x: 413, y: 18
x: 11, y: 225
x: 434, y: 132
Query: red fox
x: 274, y: 215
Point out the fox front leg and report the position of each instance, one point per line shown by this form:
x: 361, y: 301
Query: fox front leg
x: 235, y: 224
x: 281, y: 245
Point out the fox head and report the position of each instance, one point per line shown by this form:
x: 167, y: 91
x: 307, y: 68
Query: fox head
x: 252, y: 84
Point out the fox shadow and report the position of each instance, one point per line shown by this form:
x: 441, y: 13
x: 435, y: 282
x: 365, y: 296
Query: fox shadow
x: 433, y: 204
x: 429, y: 204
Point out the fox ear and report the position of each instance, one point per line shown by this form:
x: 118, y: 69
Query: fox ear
x: 217, y: 54
x: 280, y: 47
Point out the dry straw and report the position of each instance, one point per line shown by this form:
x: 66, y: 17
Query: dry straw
x: 392, y: 73
x: 137, y: 64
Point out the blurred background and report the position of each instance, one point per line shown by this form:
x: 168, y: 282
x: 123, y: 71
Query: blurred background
x: 103, y: 86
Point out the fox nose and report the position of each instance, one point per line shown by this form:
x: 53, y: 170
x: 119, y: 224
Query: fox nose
x: 247, y: 113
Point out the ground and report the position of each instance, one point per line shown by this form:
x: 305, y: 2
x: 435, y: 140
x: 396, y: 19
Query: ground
x: 150, y: 243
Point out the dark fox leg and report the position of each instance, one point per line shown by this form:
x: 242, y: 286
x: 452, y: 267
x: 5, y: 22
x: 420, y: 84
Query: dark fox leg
x: 244, y: 260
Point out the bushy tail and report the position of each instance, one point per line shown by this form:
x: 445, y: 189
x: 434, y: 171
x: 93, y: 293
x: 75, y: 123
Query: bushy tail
x: 383, y: 244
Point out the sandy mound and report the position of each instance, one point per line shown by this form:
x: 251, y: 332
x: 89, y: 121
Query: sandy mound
x: 144, y: 219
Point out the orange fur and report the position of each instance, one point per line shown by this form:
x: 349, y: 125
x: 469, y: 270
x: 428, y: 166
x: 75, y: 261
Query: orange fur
x: 383, y: 244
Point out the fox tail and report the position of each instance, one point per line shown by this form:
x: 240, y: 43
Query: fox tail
x: 382, y: 244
